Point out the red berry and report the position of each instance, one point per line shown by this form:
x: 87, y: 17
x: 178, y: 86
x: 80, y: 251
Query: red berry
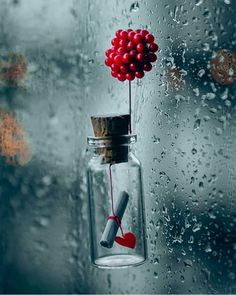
x: 121, y: 77
x: 130, y: 76
x: 108, y: 62
x: 147, y: 67
x: 130, y: 45
x: 133, y: 67
x: 118, y: 60
x: 115, y: 68
x: 112, y: 55
x: 139, y: 74
x: 121, y: 50
x: 123, y: 35
x: 114, y: 74
x: 123, y: 43
x: 140, y: 47
x: 137, y: 38
x: 138, y: 31
x: 124, y: 69
x: 152, y: 57
x: 133, y: 54
x: 153, y: 47
x: 108, y: 52
x: 129, y: 30
x: 141, y: 57
x: 144, y: 33
x: 131, y: 35
x: 149, y: 38
x: 126, y: 58
x: 118, y: 33
x: 115, y: 42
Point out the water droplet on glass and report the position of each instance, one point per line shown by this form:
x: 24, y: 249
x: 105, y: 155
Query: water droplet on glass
x: 196, y: 91
x: 205, y: 46
x: 197, y: 124
x: 187, y: 223
x: 194, y: 151
x: 224, y: 95
x: 210, y: 96
x: 206, y: 272
x: 156, y: 261
x: 211, y: 214
x: 156, y: 139
x: 228, y: 103
x: 208, y: 248
x: 207, y: 14
x: 134, y: 7
x: 155, y: 275
x: 201, y: 73
x: 198, y: 2
x: 206, y: 118
x: 47, y: 180
x: 188, y: 263
x: 42, y: 221
x: 196, y: 227
x: 218, y: 131
x: 201, y: 185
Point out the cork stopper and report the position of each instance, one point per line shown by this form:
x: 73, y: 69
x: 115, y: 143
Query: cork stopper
x: 112, y: 127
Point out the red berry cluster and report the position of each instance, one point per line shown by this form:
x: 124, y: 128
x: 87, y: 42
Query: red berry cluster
x: 131, y: 54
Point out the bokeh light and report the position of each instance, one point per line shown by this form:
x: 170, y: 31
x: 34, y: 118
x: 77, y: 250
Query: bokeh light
x: 223, y: 67
x: 13, y: 145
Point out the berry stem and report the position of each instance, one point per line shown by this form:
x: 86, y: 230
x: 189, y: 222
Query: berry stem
x: 130, y: 130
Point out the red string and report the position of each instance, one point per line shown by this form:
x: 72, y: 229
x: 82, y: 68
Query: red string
x: 113, y: 216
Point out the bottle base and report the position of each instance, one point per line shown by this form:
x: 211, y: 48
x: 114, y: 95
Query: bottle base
x: 119, y: 261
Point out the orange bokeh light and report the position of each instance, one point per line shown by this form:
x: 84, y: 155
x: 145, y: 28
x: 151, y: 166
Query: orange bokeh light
x: 223, y: 67
x: 13, y: 145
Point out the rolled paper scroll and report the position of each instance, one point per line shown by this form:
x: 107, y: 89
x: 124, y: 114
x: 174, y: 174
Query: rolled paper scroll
x: 112, y: 226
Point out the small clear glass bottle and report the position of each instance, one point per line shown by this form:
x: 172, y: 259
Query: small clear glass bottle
x: 113, y: 172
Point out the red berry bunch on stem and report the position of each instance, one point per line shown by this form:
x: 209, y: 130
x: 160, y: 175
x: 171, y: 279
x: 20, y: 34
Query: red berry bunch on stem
x: 131, y: 54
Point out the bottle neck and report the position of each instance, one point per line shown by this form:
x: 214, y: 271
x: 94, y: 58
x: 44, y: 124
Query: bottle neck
x: 112, y: 149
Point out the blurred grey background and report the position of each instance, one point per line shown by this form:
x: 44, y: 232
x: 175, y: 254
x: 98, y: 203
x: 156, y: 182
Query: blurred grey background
x: 185, y: 121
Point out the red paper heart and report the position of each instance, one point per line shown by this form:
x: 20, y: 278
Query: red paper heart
x: 128, y: 240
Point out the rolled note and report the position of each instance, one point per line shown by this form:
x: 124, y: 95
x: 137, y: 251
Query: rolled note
x: 110, y: 231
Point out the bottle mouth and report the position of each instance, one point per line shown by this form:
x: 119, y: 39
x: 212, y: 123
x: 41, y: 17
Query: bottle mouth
x: 111, y: 141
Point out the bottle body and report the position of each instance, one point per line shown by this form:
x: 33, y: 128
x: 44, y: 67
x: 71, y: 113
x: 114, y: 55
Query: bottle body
x: 106, y: 184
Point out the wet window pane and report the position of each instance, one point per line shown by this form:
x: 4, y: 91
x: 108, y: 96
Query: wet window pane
x: 52, y: 78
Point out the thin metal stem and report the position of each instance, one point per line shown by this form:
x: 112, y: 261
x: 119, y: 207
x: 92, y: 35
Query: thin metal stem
x: 130, y: 105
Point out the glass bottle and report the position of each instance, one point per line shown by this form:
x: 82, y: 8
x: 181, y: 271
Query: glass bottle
x: 114, y: 174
